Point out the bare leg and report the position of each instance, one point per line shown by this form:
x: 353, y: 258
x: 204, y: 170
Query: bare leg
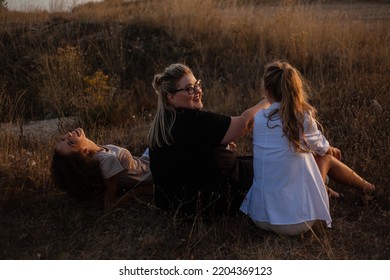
x: 322, y: 166
x: 340, y: 173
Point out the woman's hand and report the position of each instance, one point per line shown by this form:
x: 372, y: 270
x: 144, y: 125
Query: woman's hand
x: 334, y: 152
x: 232, y: 147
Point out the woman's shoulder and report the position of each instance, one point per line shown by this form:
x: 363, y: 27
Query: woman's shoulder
x: 110, y: 154
x: 308, y: 116
x: 196, y: 112
x: 273, y: 106
x: 187, y: 116
x: 110, y: 150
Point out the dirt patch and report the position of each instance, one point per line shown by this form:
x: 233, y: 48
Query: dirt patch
x: 36, y: 129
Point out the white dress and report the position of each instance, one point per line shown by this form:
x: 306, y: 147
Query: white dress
x: 287, y: 186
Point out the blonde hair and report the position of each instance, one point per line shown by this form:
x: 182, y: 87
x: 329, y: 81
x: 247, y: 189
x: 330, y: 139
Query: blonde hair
x: 163, y: 84
x: 285, y: 84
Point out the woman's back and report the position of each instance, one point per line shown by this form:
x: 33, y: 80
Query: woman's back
x: 187, y: 166
x: 287, y: 186
x: 292, y: 158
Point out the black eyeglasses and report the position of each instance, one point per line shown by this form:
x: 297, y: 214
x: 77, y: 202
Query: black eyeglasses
x: 191, y: 88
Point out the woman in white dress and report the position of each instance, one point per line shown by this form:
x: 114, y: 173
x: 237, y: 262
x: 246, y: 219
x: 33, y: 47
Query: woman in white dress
x: 292, y: 159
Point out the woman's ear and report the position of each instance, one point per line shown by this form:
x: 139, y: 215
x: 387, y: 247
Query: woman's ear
x: 171, y: 98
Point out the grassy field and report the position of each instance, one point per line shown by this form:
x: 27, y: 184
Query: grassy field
x: 96, y: 64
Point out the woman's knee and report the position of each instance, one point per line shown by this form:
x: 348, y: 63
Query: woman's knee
x: 324, y: 161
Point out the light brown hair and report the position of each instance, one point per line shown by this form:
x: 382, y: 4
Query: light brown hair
x: 285, y: 84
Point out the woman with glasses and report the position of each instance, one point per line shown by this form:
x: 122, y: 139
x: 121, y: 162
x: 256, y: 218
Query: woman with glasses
x: 107, y: 173
x: 193, y: 171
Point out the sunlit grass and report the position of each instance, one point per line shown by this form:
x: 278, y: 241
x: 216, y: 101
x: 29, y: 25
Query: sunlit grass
x: 96, y: 64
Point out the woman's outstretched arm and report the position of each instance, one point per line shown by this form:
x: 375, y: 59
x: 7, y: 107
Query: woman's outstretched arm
x: 241, y: 125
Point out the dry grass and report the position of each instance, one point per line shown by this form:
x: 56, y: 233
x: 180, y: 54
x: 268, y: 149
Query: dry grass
x: 97, y: 63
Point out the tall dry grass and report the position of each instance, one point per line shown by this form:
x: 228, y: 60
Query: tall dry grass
x: 97, y: 63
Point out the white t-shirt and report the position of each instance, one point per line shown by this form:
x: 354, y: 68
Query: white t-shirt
x: 287, y: 186
x: 130, y: 169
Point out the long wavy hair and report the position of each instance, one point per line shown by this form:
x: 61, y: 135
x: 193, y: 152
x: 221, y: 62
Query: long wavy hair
x: 163, y: 84
x: 285, y: 84
x: 79, y: 176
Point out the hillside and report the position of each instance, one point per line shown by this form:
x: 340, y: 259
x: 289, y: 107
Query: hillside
x: 95, y: 65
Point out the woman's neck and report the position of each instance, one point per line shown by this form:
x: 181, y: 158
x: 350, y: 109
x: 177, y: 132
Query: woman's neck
x: 93, y: 147
x: 270, y: 99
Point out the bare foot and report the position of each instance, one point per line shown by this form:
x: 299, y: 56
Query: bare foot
x: 369, y: 188
x: 332, y: 193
